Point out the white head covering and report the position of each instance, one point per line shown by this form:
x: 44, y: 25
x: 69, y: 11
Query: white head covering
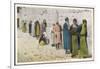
x: 45, y: 34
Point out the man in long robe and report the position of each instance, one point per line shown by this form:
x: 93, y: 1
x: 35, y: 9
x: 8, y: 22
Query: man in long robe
x: 67, y: 36
x: 24, y: 29
x: 43, y: 26
x: 53, y: 35
x: 33, y: 31
x: 74, y: 32
x: 30, y: 27
x: 79, y: 30
x: 83, y: 40
x: 58, y: 35
x: 17, y: 22
x: 37, y: 29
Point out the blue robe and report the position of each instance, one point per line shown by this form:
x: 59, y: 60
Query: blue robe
x: 66, y: 37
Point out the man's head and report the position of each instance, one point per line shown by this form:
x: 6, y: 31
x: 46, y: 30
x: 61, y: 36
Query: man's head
x: 84, y: 21
x: 44, y: 20
x: 53, y: 24
x: 74, y: 21
x: 57, y: 23
x: 31, y: 21
x: 66, y: 19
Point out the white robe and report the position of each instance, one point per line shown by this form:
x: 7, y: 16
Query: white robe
x: 33, y: 32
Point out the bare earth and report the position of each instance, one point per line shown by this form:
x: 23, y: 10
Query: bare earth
x: 28, y: 50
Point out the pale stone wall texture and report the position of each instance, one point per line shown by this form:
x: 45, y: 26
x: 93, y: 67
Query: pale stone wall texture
x: 51, y: 15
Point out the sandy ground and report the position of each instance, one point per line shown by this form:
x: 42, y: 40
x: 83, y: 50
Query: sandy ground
x: 28, y: 50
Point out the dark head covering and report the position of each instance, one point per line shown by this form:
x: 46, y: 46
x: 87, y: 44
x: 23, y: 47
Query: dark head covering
x: 84, y: 21
x: 37, y: 22
x: 30, y: 21
x: 66, y: 19
x: 75, y: 20
x: 57, y: 23
x: 44, y: 21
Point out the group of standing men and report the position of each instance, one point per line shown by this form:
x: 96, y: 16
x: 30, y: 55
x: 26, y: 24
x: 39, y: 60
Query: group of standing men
x: 73, y: 38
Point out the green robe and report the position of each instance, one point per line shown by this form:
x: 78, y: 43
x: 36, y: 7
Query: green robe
x: 24, y: 28
x: 74, y: 45
x: 37, y: 29
x: 74, y: 41
x: 83, y: 53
